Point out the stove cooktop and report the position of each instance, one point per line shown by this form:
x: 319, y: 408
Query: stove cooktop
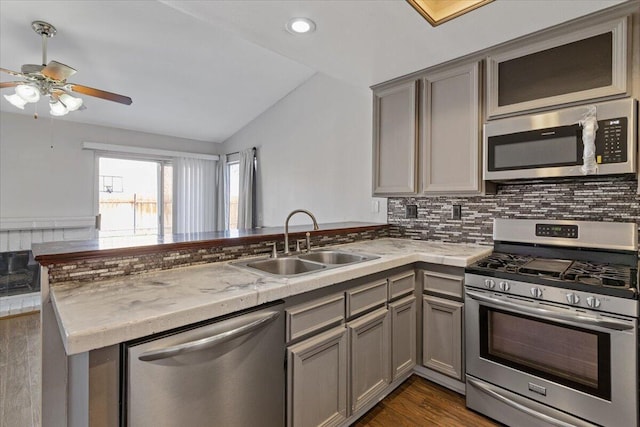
x: 602, y: 278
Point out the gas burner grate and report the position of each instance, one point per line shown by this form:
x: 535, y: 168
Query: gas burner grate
x: 503, y: 262
x: 599, y: 274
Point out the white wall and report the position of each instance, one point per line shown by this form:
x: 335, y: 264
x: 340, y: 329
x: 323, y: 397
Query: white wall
x: 314, y: 151
x: 44, y: 172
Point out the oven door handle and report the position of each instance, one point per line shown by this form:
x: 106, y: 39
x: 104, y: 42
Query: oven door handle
x: 548, y: 419
x: 551, y: 314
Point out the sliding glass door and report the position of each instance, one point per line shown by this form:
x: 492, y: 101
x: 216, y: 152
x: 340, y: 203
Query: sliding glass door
x: 134, y: 197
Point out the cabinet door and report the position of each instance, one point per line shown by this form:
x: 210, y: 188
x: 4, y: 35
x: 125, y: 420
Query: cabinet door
x: 403, y: 335
x: 395, y: 140
x: 450, y: 154
x: 442, y: 336
x: 370, y: 365
x: 317, y: 380
x: 586, y: 64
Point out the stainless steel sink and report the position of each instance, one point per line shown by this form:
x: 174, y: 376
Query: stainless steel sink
x: 304, y: 263
x: 285, y: 266
x: 334, y: 257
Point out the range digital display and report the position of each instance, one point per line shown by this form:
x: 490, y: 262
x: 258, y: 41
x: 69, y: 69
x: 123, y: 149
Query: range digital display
x: 555, y: 230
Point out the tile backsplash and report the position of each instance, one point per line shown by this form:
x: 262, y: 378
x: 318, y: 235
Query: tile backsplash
x: 596, y: 199
x: 108, y: 267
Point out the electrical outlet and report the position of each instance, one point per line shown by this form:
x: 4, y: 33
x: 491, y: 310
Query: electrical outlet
x: 411, y: 211
x: 456, y: 212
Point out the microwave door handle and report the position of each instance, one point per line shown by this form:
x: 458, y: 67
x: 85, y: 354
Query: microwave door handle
x: 209, y: 342
x: 549, y: 313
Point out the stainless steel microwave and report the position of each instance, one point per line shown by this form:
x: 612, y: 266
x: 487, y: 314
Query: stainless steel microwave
x: 549, y: 144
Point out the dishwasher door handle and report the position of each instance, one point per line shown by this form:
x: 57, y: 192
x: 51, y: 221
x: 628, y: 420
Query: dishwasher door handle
x: 211, y: 341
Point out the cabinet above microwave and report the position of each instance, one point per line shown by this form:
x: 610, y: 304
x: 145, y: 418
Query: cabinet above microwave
x: 550, y: 144
x: 587, y: 64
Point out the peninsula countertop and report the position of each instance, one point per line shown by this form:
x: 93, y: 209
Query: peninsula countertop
x: 102, y: 313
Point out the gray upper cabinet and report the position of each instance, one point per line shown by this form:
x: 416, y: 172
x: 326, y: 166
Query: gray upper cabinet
x: 395, y: 139
x: 585, y: 64
x: 451, y: 136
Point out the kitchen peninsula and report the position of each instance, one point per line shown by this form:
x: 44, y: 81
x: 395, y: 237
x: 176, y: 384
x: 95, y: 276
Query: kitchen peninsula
x: 81, y: 318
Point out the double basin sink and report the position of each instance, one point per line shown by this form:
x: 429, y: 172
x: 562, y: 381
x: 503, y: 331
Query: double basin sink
x: 304, y: 263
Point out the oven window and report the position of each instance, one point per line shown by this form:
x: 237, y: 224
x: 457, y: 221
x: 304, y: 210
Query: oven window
x: 575, y: 357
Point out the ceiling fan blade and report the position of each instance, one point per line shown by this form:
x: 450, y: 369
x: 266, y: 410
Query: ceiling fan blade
x: 57, y: 71
x: 31, y: 68
x: 100, y: 94
x: 9, y: 84
x: 13, y: 73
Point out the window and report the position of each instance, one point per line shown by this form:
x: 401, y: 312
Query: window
x: 234, y: 193
x: 135, y: 197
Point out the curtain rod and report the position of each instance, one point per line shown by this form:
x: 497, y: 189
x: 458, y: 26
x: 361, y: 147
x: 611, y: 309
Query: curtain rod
x: 237, y: 152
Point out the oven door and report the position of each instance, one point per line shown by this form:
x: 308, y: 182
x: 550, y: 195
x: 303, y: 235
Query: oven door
x: 583, y: 363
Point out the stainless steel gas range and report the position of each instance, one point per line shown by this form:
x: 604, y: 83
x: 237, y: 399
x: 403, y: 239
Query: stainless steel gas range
x: 551, y: 325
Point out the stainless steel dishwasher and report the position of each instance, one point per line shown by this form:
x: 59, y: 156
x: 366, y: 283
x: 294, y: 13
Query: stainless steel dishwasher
x: 226, y: 373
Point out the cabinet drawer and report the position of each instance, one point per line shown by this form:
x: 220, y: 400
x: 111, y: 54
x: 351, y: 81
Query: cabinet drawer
x: 441, y: 283
x: 402, y: 284
x: 366, y: 297
x: 307, y: 318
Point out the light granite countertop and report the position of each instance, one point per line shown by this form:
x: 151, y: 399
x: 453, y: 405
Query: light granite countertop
x: 103, y: 313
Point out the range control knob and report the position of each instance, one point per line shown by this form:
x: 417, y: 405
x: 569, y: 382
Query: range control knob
x: 504, y: 286
x: 536, y: 292
x: 573, y: 299
x: 593, y: 302
x: 489, y: 283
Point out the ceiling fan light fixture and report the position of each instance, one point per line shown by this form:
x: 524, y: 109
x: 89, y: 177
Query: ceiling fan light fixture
x: 70, y: 102
x: 28, y: 93
x: 301, y: 26
x: 56, y: 108
x: 16, y: 100
x: 50, y: 80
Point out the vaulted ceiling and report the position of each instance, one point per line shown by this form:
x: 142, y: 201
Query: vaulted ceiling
x: 204, y: 69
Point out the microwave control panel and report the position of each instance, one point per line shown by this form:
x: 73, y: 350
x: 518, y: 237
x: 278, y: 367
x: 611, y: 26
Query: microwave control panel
x: 611, y: 141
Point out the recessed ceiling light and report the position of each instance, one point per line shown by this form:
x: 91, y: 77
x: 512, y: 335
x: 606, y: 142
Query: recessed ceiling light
x: 301, y: 25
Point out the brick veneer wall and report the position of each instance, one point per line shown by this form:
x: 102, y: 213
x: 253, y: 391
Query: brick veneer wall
x: 598, y: 199
x: 110, y: 267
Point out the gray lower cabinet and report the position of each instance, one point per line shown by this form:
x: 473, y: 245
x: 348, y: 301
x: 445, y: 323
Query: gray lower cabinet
x: 370, y: 354
x: 317, y: 380
x: 442, y: 336
x: 403, y: 336
x: 337, y: 370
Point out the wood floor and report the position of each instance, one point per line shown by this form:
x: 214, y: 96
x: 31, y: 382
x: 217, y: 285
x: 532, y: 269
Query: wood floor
x: 20, y: 371
x: 420, y: 403
x: 416, y: 403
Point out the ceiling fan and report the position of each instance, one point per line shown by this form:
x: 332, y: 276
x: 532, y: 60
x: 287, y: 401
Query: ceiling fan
x: 50, y: 80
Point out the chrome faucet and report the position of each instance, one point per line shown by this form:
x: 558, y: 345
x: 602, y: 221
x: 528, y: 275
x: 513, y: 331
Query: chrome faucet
x: 286, y: 227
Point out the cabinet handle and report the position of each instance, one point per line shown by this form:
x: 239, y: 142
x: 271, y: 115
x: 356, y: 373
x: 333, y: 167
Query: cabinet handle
x: 209, y: 342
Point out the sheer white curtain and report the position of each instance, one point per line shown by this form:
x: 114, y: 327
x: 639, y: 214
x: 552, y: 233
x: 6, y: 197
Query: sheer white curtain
x: 247, y: 184
x: 194, y: 195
